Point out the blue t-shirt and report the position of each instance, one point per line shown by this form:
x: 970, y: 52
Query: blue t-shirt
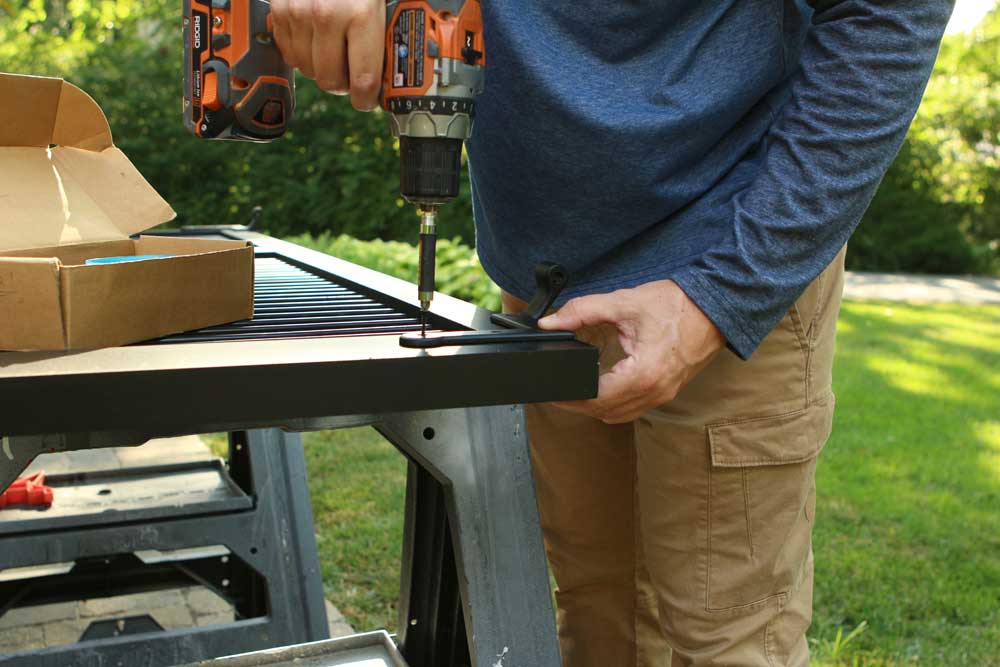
x: 731, y: 146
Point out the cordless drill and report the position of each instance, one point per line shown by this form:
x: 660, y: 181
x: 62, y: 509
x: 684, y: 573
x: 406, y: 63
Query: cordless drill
x: 237, y: 86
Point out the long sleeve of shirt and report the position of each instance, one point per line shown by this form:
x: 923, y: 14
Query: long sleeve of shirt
x: 864, y: 66
x: 730, y: 145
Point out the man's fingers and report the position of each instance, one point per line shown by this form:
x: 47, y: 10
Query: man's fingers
x: 329, y: 50
x: 339, y: 43
x: 584, y: 311
x: 628, y: 411
x: 365, y: 52
x: 615, y: 389
x: 624, y: 393
x: 301, y: 35
x: 595, y: 408
x: 581, y: 407
x: 660, y: 358
x: 618, y: 386
x: 280, y: 30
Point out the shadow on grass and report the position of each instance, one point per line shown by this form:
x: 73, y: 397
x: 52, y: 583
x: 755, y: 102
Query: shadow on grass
x: 908, y: 536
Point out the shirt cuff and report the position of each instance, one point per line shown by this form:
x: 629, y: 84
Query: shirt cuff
x: 739, y: 338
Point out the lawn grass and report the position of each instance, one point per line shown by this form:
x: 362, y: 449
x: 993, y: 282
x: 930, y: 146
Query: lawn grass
x: 908, y: 530
x: 908, y: 536
x: 357, y: 484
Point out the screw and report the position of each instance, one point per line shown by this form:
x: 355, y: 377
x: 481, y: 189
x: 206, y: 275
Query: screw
x: 216, y: 20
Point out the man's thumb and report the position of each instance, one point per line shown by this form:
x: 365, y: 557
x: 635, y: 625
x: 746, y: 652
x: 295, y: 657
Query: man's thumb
x: 580, y: 312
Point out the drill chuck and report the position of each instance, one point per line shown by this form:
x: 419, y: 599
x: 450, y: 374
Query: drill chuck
x: 430, y: 169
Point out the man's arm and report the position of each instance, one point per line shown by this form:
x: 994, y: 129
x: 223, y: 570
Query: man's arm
x: 863, y: 70
x: 864, y: 67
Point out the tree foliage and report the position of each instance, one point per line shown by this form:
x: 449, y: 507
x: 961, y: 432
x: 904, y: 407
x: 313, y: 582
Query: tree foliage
x: 336, y: 171
x: 938, y: 209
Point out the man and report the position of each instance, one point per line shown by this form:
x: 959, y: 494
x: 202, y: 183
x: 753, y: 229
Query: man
x: 698, y: 166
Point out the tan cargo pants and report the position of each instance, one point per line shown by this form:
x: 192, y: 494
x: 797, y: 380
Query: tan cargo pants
x: 690, y: 528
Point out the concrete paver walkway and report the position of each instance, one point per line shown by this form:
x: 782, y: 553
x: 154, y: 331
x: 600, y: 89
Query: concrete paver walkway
x: 63, y: 623
x: 863, y: 286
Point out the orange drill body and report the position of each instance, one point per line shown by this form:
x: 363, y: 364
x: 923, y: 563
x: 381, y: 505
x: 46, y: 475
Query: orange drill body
x: 236, y: 85
x: 434, y: 69
x: 430, y: 30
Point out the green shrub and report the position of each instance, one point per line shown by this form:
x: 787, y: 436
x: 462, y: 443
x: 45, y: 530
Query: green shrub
x: 907, y: 229
x: 459, y: 272
x: 938, y: 209
x: 336, y: 170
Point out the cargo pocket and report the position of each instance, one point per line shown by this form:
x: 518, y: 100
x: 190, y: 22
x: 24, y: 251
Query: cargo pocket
x: 761, y: 505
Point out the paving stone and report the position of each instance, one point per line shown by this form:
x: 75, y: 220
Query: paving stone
x: 41, y: 614
x: 154, y: 452
x: 59, y: 633
x: 21, y: 639
x: 340, y: 629
x: 203, y: 601
x: 94, y: 459
x: 115, y: 606
x: 52, y: 463
x: 921, y: 289
x: 164, y: 450
x: 168, y: 598
x: 177, y: 616
x: 332, y: 613
x: 77, y: 461
x: 106, y: 606
x: 214, y: 619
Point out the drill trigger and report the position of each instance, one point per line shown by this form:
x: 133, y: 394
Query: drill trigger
x: 223, y: 86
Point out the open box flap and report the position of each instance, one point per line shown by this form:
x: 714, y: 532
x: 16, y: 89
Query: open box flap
x: 62, y: 181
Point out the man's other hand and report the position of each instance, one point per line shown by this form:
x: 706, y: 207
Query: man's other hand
x: 339, y: 43
x: 666, y: 338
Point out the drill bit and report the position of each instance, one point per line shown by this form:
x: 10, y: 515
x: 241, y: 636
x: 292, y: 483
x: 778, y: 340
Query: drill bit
x: 425, y: 269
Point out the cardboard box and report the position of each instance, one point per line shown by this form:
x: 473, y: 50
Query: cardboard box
x: 68, y: 195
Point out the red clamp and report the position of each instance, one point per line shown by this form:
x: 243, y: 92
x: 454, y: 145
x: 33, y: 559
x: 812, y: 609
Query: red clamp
x: 27, y: 491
